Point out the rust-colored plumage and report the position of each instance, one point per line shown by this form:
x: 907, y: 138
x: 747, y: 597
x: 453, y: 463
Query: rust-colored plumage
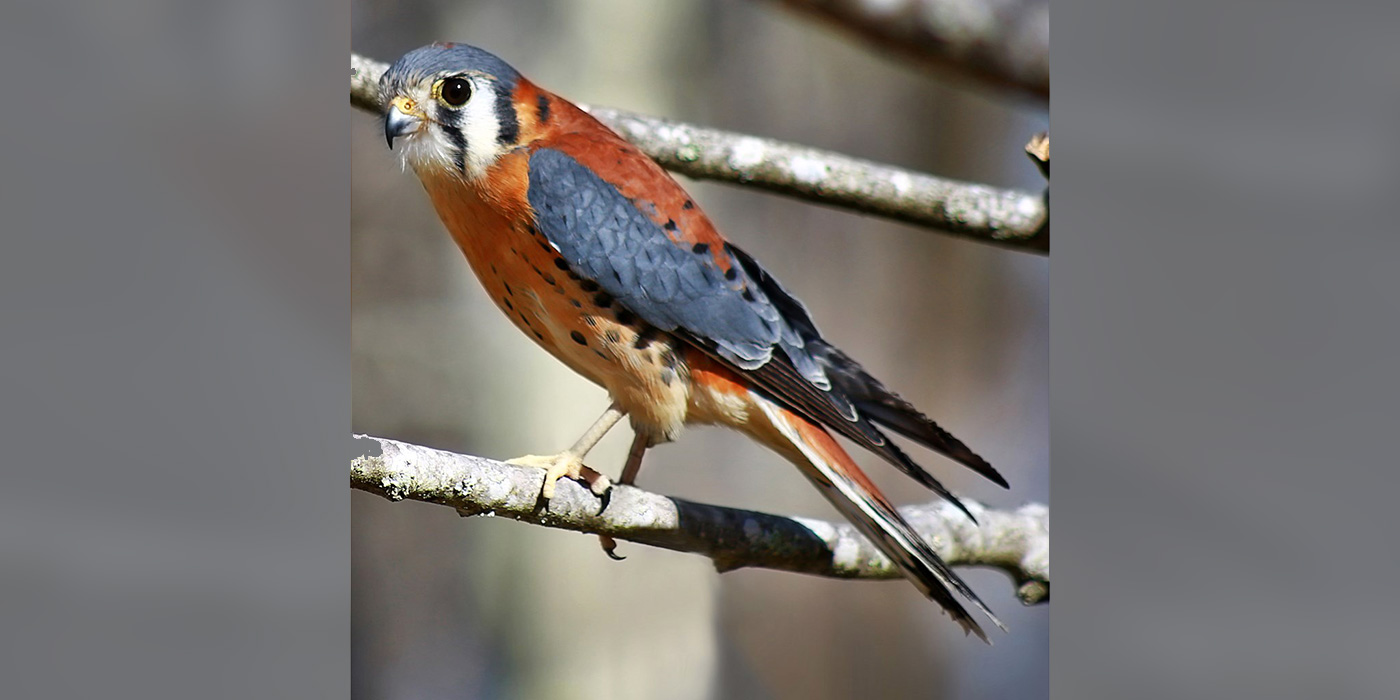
x: 599, y: 255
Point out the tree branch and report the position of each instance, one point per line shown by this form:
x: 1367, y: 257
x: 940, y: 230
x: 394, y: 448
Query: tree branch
x: 1006, y: 217
x: 1017, y: 542
x: 1005, y: 43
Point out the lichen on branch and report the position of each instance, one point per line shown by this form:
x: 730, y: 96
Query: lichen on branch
x: 1016, y: 541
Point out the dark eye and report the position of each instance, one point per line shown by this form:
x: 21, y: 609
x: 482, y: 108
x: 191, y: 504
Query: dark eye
x: 456, y: 91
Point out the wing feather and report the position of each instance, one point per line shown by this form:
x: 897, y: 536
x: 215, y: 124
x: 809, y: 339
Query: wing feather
x: 722, y: 302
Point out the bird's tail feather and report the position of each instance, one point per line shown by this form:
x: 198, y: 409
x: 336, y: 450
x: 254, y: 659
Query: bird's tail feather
x: 838, y: 477
x: 889, y: 409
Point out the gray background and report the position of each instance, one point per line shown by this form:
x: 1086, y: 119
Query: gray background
x: 174, y: 371
x: 174, y: 376
x: 1224, y: 350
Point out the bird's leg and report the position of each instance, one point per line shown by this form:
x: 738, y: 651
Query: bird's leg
x: 570, y: 462
x: 640, y: 444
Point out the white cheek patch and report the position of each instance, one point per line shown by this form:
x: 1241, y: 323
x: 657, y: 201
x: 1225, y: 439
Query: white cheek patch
x: 433, y: 151
x: 481, y: 127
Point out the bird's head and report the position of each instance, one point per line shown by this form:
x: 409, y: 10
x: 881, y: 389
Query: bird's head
x: 449, y: 107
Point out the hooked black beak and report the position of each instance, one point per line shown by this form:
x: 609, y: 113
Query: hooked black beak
x: 398, y: 122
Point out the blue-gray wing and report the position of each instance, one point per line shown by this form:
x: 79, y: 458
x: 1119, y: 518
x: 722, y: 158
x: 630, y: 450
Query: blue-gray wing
x: 604, y: 237
x: 737, y: 313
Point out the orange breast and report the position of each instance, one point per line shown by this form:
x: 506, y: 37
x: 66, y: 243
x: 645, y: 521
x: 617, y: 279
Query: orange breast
x: 578, y: 323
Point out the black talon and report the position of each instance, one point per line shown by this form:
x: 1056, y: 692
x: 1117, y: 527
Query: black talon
x: 604, y: 499
x: 609, y: 547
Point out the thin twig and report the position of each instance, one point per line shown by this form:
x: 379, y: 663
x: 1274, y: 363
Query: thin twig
x: 1005, y: 43
x: 1017, y: 542
x: 1006, y: 217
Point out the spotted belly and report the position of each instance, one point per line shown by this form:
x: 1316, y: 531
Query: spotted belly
x: 642, y: 367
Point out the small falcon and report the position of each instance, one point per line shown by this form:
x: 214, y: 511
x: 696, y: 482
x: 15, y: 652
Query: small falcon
x: 599, y: 255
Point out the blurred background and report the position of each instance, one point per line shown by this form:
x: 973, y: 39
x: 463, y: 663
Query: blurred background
x: 445, y: 607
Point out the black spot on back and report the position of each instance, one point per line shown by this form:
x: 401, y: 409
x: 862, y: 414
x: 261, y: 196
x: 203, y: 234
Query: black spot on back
x: 603, y: 299
x: 542, y: 108
x: 613, y: 336
x: 688, y: 205
x: 626, y: 317
x: 588, y: 286
x: 700, y: 248
x: 732, y: 273
x: 562, y: 264
x: 670, y: 225
x: 578, y: 338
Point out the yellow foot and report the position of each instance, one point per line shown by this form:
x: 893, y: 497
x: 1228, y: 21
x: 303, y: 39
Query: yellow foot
x: 562, y: 465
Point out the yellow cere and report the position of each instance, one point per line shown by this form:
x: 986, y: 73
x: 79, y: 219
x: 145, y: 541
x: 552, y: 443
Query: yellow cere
x: 406, y: 105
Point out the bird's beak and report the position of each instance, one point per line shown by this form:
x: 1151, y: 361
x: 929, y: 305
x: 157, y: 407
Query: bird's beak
x: 400, y: 120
